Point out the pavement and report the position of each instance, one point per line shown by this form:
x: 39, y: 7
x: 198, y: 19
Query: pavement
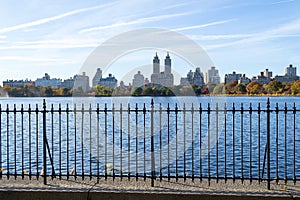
x: 229, y: 188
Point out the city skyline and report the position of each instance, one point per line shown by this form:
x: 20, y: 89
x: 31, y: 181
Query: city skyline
x: 56, y: 37
x: 212, y: 76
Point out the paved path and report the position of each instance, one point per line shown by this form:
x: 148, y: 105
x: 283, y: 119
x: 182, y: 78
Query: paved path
x: 221, y: 188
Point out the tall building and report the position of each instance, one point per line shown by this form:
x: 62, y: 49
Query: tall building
x: 264, y: 78
x: 82, y: 81
x: 212, y: 76
x: 47, y: 81
x: 268, y: 73
x: 110, y: 82
x: 232, y: 77
x: 290, y: 71
x: 97, y: 77
x: 164, y: 78
x: 290, y: 74
x: 138, y: 80
x: 195, y: 78
x: 68, y: 83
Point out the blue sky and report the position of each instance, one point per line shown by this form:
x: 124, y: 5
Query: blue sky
x: 57, y: 36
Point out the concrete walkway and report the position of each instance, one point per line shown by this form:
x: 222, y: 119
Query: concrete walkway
x: 132, y: 189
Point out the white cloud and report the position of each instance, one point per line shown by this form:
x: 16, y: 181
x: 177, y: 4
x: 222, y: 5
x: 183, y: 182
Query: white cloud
x: 134, y: 22
x: 53, y: 18
x: 54, y: 44
x: 284, y: 1
x: 219, y: 37
x: 204, y: 25
x: 287, y: 30
x: 34, y: 59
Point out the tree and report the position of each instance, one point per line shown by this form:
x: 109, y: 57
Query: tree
x: 254, y: 88
x: 48, y: 92
x: 295, y: 88
x: 231, y: 87
x: 219, y: 89
x: 137, y: 92
x: 241, y: 88
x: 147, y: 91
x: 274, y: 87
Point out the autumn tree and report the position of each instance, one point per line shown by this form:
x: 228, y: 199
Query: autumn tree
x: 295, y: 88
x: 254, y: 88
x: 219, y: 89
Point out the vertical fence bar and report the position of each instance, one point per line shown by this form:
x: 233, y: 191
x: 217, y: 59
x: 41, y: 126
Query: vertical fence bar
x: 75, y: 143
x: 193, y: 156
x: 15, y: 140
x: 168, y: 112
x: 251, y: 143
x: 277, y: 143
x: 52, y: 133
x: 152, y: 145
x: 258, y: 124
x: 176, y: 135
x: 59, y: 143
x: 144, y: 115
x: 242, y: 141
x: 82, y: 150
x: 44, y: 141
x: 37, y: 140
x: 136, y: 143
x: 160, y: 143
x: 294, y: 119
x: 268, y: 145
x: 208, y: 142
x: 285, y: 143
x: 7, y: 140
x: 184, y: 143
x: 225, y: 142
x: 29, y: 140
x: 128, y: 140
x: 90, y: 119
x: 113, y: 141
x: 217, y: 142
x: 200, y: 141
x: 67, y: 112
x: 105, y: 145
x: 233, y: 142
x: 121, y: 141
x: 98, y: 143
x: 22, y: 138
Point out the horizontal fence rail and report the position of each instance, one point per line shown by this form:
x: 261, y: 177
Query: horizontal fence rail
x: 155, y: 141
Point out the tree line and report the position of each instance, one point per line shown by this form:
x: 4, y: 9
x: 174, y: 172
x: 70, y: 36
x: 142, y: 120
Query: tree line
x: 234, y: 88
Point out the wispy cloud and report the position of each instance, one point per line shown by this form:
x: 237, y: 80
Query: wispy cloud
x: 284, y: 1
x: 134, y: 22
x: 34, y: 59
x: 2, y: 36
x: 204, y: 25
x: 54, y: 44
x: 291, y: 29
x: 220, y: 37
x: 53, y: 18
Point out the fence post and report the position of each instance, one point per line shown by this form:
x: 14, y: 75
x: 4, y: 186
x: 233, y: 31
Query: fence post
x: 152, y: 146
x: 44, y: 142
x: 268, y: 143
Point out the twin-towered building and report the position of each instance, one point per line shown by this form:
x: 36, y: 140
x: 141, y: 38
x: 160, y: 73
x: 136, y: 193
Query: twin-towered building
x: 164, y: 78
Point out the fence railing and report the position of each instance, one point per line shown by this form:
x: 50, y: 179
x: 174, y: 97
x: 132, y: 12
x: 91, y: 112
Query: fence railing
x: 153, y: 141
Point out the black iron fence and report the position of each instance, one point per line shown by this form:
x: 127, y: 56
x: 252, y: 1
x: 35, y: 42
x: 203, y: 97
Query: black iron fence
x: 153, y: 141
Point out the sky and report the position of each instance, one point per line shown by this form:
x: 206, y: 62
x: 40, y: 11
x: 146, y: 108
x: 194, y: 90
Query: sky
x: 56, y: 37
